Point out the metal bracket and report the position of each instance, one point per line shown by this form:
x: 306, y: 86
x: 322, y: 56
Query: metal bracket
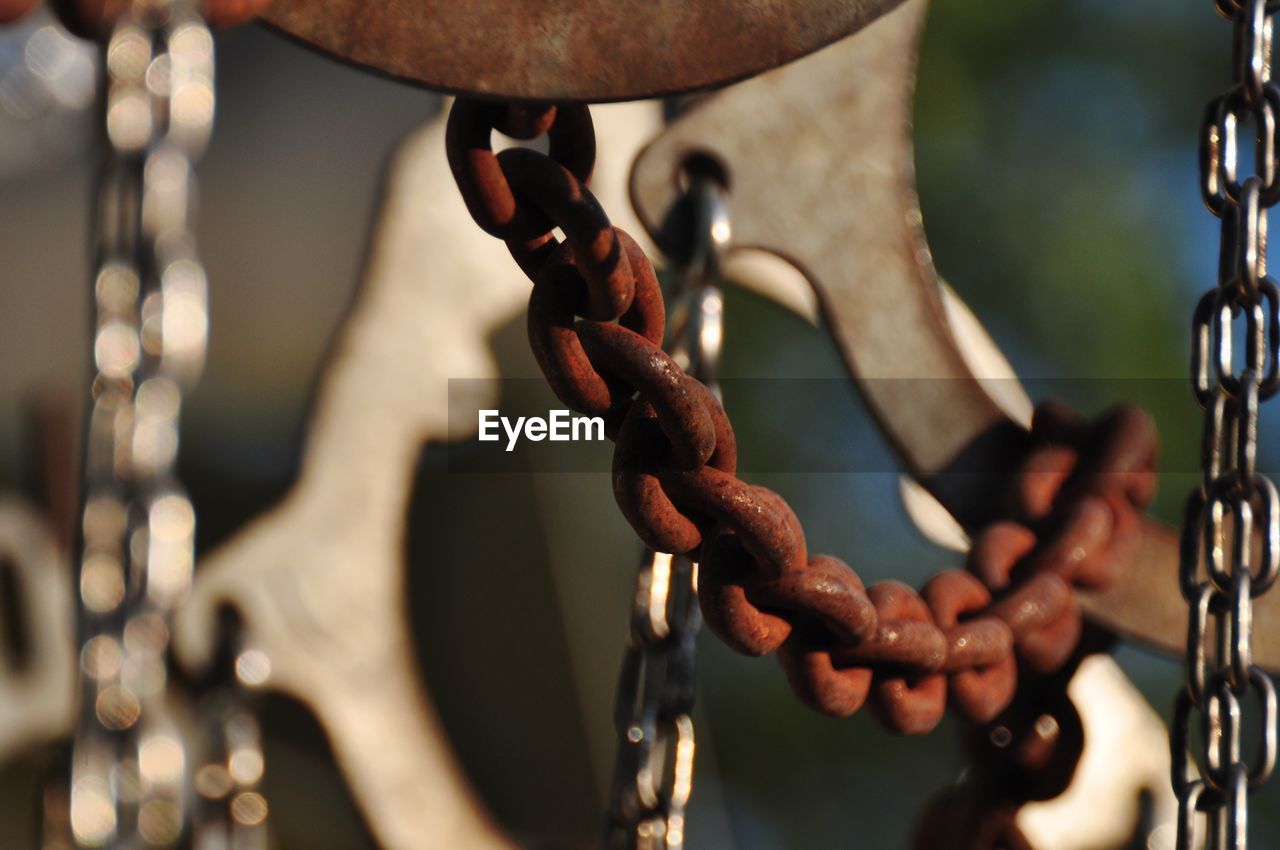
x: 844, y: 118
x: 318, y: 580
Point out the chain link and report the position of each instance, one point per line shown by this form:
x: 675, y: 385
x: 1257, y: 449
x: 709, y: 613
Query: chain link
x: 596, y: 324
x: 231, y: 812
x: 131, y: 763
x: 1230, y: 551
x: 653, y: 714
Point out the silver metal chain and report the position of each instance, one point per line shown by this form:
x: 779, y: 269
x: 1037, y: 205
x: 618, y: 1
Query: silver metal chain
x: 231, y: 813
x: 130, y: 763
x: 653, y: 713
x: 1231, y: 536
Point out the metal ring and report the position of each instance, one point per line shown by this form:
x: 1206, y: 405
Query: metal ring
x: 1264, y: 766
x: 1224, y: 493
x: 481, y: 178
x: 1188, y: 807
x: 1240, y: 621
x: 1227, y: 492
x: 1190, y: 546
x: 1217, y: 146
x: 1253, y: 48
x: 1202, y: 335
x: 1246, y: 436
x: 1220, y: 181
x: 1184, y: 772
x: 1197, y: 641
x: 1220, y: 727
x: 1268, y: 338
x: 1267, y: 521
x: 1237, y: 810
x: 698, y: 321
x: 711, y: 229
x: 1250, y: 248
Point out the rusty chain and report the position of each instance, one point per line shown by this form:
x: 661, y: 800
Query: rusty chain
x: 596, y: 321
x: 653, y: 715
x: 1231, y: 534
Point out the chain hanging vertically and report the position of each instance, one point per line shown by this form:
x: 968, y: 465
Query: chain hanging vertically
x: 230, y: 812
x: 1231, y: 537
x: 130, y: 765
x: 653, y: 714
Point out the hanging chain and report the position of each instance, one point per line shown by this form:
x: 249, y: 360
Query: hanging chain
x: 596, y: 324
x: 130, y: 765
x: 1231, y: 536
x: 653, y: 714
x: 231, y: 812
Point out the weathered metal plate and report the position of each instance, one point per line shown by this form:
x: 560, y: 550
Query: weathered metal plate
x: 580, y: 50
x: 820, y: 167
x: 38, y: 698
x: 318, y: 580
x: 820, y: 163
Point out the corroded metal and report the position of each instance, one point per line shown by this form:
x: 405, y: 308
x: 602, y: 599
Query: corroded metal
x: 585, y: 50
x: 879, y: 291
x: 595, y: 325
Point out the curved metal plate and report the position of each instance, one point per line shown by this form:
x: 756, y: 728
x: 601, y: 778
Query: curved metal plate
x: 843, y: 117
x: 880, y: 293
x: 581, y: 50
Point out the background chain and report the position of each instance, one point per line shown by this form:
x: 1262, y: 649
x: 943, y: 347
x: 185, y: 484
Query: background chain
x: 653, y: 712
x: 131, y: 763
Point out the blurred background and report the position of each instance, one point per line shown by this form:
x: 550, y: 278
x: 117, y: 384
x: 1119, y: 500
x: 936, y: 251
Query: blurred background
x: 1056, y: 161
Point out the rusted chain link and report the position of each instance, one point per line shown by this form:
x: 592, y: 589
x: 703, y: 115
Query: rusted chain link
x: 596, y: 319
x: 1235, y: 507
x: 1030, y: 753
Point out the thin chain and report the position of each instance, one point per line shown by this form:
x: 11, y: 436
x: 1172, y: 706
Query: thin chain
x: 232, y: 812
x: 653, y: 714
x: 130, y: 764
x: 1223, y: 567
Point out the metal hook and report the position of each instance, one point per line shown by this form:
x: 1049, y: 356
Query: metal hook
x: 698, y: 320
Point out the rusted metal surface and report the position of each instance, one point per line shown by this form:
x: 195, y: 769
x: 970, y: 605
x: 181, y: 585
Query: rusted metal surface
x: 595, y: 323
x: 846, y: 114
x: 879, y: 292
x: 585, y: 50
x: 12, y: 10
x: 93, y: 18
